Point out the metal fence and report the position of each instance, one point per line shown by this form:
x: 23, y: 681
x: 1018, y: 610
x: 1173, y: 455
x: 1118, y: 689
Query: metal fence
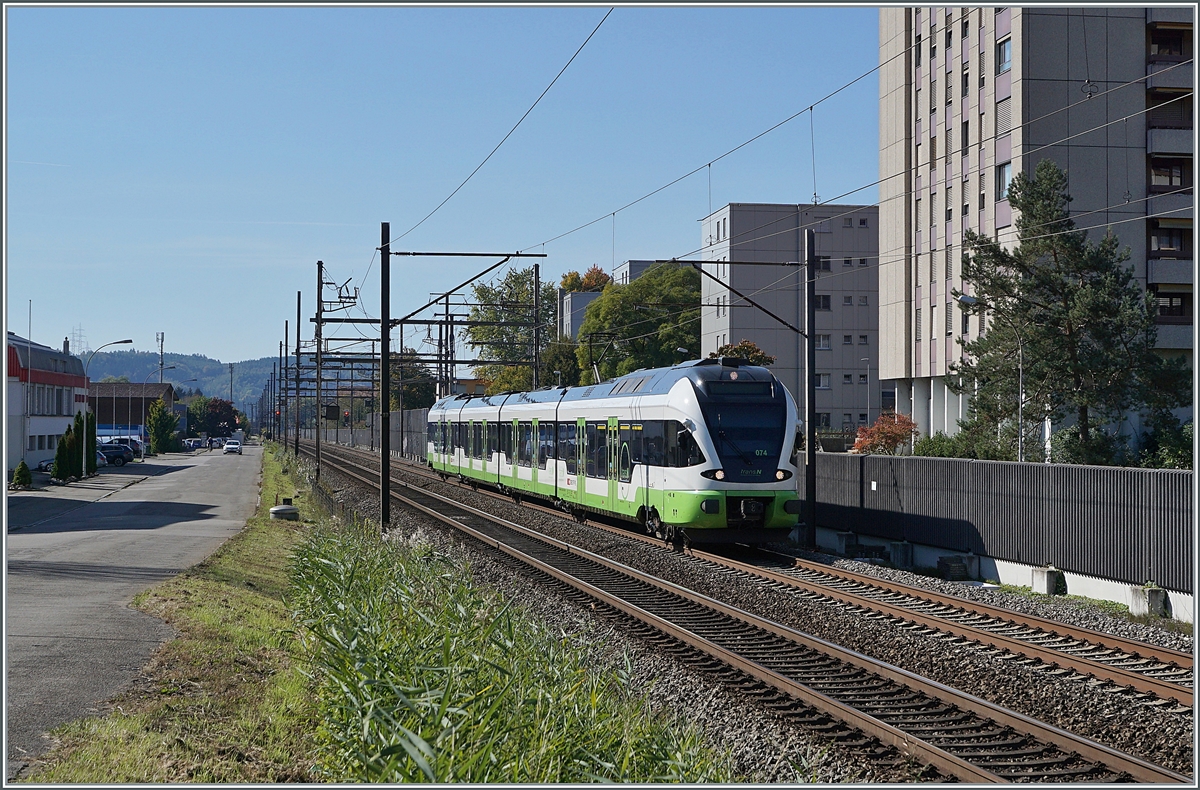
x: 1131, y: 525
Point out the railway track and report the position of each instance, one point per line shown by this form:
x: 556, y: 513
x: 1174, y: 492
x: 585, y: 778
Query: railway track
x: 1161, y: 676
x: 956, y: 734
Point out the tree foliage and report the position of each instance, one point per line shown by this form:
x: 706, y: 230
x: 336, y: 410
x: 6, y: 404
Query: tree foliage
x: 161, y: 422
x: 594, y: 279
x: 640, y: 325
x: 747, y: 349
x: 212, y: 416
x: 22, y: 477
x: 510, y: 300
x: 1070, y: 310
x: 66, y: 456
x: 890, y: 432
x: 561, y: 356
x: 412, y: 379
x: 89, y: 433
x: 197, y: 410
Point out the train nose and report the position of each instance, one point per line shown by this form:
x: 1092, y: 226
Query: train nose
x: 751, y: 508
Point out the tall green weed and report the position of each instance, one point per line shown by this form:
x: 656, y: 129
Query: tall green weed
x: 424, y: 677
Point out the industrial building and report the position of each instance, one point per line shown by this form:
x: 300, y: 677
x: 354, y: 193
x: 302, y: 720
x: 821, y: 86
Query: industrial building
x: 971, y: 96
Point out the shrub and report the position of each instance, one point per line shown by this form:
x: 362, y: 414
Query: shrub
x: 21, y: 475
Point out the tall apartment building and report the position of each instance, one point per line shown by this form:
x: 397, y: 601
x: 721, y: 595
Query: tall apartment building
x: 971, y: 96
x: 847, y: 293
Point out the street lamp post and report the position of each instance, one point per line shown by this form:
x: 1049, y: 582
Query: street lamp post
x: 970, y: 301
x: 83, y: 439
x: 142, y: 424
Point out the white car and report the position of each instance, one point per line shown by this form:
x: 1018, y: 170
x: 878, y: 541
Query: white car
x: 233, y: 446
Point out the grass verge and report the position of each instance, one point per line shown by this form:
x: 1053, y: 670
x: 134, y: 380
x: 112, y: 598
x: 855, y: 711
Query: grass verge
x: 424, y: 677
x: 224, y: 702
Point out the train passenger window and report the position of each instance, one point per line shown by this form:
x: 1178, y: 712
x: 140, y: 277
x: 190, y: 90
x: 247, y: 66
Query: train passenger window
x: 431, y: 433
x: 477, y: 440
x: 653, y: 446
x: 505, y: 429
x: 492, y: 437
x: 629, y: 439
x: 566, y: 446
x: 597, y: 449
x: 588, y: 453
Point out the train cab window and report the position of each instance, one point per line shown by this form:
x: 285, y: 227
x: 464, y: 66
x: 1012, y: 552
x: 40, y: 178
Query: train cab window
x: 653, y: 444
x: 545, y: 443
x: 524, y: 444
x: 492, y: 445
x: 566, y: 446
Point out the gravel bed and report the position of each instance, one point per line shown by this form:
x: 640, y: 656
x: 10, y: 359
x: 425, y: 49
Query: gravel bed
x: 1159, y: 736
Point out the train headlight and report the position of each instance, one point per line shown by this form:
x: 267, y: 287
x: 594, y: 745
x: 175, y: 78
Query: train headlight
x: 713, y: 474
x: 782, y: 474
x: 720, y: 475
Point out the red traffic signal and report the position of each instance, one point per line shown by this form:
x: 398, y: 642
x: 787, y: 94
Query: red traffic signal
x: 277, y: 412
x: 346, y: 414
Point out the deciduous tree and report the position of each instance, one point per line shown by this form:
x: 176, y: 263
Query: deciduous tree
x: 748, y: 350
x: 161, y: 423
x: 510, y: 301
x: 890, y: 432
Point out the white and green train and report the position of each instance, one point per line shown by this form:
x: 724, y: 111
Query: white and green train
x: 704, y: 451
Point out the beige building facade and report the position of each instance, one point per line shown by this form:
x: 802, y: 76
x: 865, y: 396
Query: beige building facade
x: 971, y: 96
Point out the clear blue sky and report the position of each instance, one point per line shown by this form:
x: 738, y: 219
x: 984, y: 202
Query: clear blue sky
x: 180, y: 170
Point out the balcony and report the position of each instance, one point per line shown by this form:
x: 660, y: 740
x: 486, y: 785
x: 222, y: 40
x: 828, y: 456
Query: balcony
x: 1174, y: 336
x: 1174, y: 206
x: 1175, y: 16
x: 1169, y: 142
x: 1169, y: 271
x: 1165, y: 75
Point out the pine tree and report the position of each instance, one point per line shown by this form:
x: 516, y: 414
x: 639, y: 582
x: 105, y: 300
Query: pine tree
x: 1071, y: 310
x: 161, y: 422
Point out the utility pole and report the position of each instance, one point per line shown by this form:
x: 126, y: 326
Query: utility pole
x: 809, y: 537
x: 230, y: 383
x: 296, y: 448
x: 537, y: 328
x: 317, y: 334
x: 385, y: 394
x: 159, y: 337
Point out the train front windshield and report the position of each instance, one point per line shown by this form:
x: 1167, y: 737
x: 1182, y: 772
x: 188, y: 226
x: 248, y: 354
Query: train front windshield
x: 746, y: 425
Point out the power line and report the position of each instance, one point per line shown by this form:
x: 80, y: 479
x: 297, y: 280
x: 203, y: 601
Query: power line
x: 510, y: 131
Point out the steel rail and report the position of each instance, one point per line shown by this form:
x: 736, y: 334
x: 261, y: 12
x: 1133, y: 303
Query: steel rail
x: 1112, y: 759
x: 1052, y: 656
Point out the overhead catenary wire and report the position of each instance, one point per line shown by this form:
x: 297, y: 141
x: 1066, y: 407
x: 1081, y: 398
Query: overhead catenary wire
x: 510, y: 131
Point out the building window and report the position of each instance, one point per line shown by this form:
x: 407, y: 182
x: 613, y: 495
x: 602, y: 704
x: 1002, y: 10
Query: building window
x: 1169, y: 174
x: 862, y: 340
x: 932, y: 212
x: 966, y: 318
x: 982, y: 192
x: 1003, y: 116
x: 933, y: 153
x: 949, y: 38
x: 1166, y: 45
x: 966, y: 87
x: 1170, y: 243
x: 917, y: 325
x: 32, y: 442
x: 847, y: 379
x: 822, y: 419
x: 917, y: 50
x: 1003, y: 177
x: 932, y: 321
x: 822, y: 341
x: 966, y: 25
x: 949, y: 319
x: 966, y: 137
x: 51, y: 442
x: 949, y: 142
x: 847, y: 262
x: 862, y: 261
x: 822, y: 301
x: 949, y: 264
x: 966, y: 191
x: 933, y: 96
x: 42, y: 442
x: 821, y: 380
x: 862, y: 418
x: 982, y: 70
x: 1003, y: 55
x: 932, y: 47
x: 949, y: 203
x: 1169, y: 111
x: 847, y: 340
x: 823, y: 263
x: 949, y: 90
x: 847, y: 222
x: 862, y: 222
x: 1172, y: 307
x: 847, y: 301
x: 863, y: 301
x: 920, y: 214
x: 932, y: 267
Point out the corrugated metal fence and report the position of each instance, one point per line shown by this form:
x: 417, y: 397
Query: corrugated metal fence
x: 1132, y: 525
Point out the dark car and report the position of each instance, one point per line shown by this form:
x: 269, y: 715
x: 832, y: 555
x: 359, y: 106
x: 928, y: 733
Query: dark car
x: 117, y: 454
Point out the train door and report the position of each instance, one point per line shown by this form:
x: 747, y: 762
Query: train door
x: 614, y: 451
x: 535, y: 451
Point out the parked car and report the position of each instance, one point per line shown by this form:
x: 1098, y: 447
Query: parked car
x: 45, y: 466
x: 233, y: 446
x: 131, y: 443
x: 116, y: 454
x: 100, y: 459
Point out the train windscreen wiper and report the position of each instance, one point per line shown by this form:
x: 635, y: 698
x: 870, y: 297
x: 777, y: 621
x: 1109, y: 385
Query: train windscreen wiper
x: 736, y: 449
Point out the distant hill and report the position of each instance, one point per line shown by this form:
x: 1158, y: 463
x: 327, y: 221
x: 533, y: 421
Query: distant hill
x: 212, y: 375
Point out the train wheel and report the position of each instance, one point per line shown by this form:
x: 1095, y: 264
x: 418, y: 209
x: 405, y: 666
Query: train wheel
x: 580, y: 514
x: 654, y: 523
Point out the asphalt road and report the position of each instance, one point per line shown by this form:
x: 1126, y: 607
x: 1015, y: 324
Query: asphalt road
x: 77, y: 555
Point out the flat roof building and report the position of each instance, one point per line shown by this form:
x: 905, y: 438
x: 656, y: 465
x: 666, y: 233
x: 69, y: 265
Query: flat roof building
x: 971, y: 96
x: 46, y: 387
